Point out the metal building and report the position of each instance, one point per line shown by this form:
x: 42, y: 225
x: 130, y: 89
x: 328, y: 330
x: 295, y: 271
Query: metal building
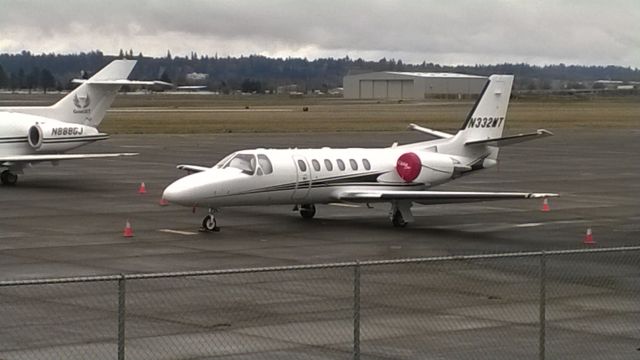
x: 411, y: 85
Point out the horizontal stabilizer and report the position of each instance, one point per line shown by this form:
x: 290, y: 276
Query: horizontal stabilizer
x: 56, y: 157
x: 192, y: 168
x: 437, y: 197
x: 513, y: 139
x: 436, y: 133
x: 120, y: 82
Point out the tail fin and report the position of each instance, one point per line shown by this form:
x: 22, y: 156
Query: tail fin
x: 89, y: 102
x: 487, y: 117
x: 485, y: 121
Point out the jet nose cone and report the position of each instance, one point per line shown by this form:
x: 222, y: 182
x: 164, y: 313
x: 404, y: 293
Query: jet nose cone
x: 177, y: 193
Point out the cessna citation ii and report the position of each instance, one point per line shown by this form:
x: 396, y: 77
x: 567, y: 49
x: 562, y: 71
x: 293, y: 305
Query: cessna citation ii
x: 30, y: 135
x: 399, y: 175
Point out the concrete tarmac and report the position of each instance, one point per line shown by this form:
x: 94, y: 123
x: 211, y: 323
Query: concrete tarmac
x: 68, y: 221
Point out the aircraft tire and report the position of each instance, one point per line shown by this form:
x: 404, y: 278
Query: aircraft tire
x: 209, y: 223
x: 8, y: 178
x: 397, y: 220
x: 307, y: 211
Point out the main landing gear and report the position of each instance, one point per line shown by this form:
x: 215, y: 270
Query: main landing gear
x: 397, y: 220
x: 400, y: 213
x: 209, y: 222
x: 307, y: 211
x: 8, y: 178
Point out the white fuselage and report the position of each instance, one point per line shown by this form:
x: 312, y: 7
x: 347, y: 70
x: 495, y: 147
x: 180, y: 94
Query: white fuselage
x: 301, y: 176
x: 48, y: 136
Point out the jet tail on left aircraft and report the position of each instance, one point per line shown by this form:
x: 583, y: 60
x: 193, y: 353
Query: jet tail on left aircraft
x: 30, y: 135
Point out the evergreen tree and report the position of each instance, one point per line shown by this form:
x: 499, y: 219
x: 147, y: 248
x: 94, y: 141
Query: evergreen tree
x: 33, y: 79
x: 4, y: 79
x: 47, y: 80
x: 165, y: 77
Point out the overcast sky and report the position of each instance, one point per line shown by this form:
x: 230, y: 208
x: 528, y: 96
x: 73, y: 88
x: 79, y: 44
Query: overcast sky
x: 598, y: 32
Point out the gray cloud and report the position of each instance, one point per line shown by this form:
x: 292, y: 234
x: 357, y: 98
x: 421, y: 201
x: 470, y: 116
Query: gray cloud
x: 453, y: 32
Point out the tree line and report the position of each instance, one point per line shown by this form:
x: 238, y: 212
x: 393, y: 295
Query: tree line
x: 259, y: 73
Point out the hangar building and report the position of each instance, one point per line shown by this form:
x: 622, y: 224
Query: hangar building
x: 411, y: 85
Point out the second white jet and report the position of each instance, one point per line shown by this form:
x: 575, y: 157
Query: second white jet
x: 399, y: 175
x: 35, y: 134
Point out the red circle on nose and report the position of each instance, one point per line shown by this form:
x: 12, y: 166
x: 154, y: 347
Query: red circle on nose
x: 408, y: 166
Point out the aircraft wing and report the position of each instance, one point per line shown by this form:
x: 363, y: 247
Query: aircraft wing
x: 436, y: 197
x: 56, y: 157
x: 192, y: 168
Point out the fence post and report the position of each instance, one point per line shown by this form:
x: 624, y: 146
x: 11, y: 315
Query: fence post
x: 543, y: 303
x: 121, y: 315
x: 356, y: 311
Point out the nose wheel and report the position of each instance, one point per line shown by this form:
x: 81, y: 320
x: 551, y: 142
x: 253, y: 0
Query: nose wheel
x: 8, y: 178
x: 209, y: 223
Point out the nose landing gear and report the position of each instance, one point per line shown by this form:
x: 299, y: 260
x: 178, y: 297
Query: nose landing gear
x: 209, y: 223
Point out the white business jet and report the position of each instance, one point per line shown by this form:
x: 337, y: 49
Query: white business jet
x: 400, y: 175
x: 34, y: 134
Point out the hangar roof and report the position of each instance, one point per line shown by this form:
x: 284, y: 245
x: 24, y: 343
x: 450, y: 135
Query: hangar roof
x: 418, y: 74
x: 432, y: 74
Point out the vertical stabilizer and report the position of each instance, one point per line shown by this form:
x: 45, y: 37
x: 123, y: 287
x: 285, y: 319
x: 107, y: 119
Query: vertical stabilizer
x: 486, y: 119
x: 89, y: 102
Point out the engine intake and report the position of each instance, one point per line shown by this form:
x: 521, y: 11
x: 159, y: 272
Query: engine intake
x: 59, y: 136
x: 35, y: 136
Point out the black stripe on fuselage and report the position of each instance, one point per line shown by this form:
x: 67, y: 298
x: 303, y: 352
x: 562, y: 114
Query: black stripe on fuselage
x: 13, y: 139
x: 74, y: 139
x: 366, y: 177
x: 352, y: 180
x: 313, y: 186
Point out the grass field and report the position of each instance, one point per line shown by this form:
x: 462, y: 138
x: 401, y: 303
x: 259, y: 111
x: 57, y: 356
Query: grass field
x: 196, y: 113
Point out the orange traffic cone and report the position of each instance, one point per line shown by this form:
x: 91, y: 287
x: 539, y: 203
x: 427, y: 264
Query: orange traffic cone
x: 128, y: 230
x: 588, y: 238
x: 142, y: 189
x: 545, y: 205
x: 163, y: 202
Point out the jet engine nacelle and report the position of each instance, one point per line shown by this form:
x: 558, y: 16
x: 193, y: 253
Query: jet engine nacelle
x: 59, y: 136
x: 424, y: 167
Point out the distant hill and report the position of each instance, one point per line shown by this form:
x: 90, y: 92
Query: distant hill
x: 260, y: 73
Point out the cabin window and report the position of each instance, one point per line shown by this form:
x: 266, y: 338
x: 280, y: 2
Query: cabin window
x: 244, y: 162
x: 328, y: 164
x: 265, y: 164
x: 316, y: 165
x: 340, y: 164
x: 366, y: 164
x: 354, y: 164
x: 302, y: 165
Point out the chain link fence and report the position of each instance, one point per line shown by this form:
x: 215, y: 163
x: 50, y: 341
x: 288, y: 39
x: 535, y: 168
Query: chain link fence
x: 582, y: 304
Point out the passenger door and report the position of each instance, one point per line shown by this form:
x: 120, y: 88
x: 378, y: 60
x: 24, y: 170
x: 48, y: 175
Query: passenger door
x: 303, y: 178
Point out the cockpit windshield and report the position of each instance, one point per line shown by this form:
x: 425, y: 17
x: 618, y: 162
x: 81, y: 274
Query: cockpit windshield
x: 222, y: 162
x: 247, y: 163
x: 244, y: 162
